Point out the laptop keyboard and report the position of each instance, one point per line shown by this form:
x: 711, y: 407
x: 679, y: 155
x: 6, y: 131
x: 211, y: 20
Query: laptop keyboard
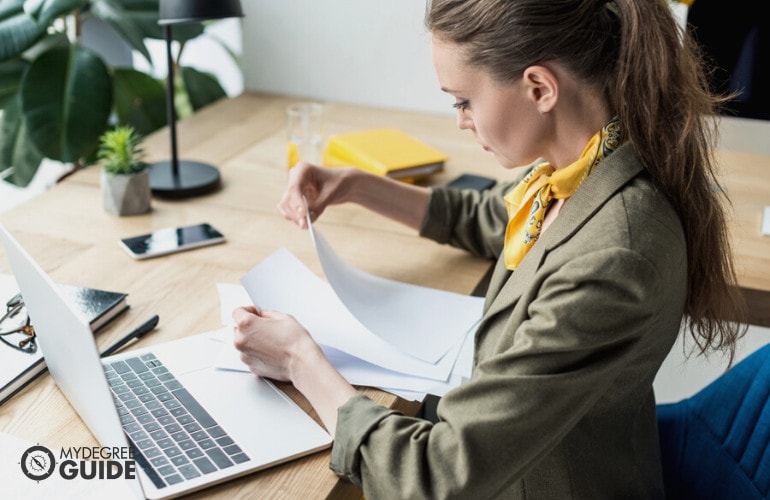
x: 173, y: 437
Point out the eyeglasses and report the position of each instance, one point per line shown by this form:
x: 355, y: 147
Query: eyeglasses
x: 15, y: 328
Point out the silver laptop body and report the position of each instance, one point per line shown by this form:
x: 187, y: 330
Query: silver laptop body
x: 261, y: 425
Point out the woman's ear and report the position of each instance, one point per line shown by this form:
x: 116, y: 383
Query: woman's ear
x: 542, y: 87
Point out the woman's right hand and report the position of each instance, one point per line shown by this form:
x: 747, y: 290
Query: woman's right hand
x: 324, y: 186
x: 319, y: 186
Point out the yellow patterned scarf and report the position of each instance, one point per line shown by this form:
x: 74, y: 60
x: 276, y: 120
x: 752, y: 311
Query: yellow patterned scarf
x: 528, y: 201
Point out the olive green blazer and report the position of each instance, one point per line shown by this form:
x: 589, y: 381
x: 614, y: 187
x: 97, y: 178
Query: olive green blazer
x: 560, y: 404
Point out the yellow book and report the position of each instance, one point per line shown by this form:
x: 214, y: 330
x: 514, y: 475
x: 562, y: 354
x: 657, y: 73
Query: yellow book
x: 385, y: 151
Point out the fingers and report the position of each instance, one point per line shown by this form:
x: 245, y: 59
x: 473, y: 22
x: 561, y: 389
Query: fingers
x: 252, y: 309
x: 309, y: 190
x: 292, y: 203
x: 262, y: 340
x: 243, y: 315
x: 292, y: 208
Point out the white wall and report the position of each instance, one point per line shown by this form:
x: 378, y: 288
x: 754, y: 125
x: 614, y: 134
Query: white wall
x: 204, y: 53
x: 681, y: 376
x: 371, y: 52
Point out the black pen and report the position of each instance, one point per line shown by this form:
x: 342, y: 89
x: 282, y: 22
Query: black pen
x: 138, y: 333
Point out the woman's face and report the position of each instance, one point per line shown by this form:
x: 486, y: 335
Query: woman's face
x: 502, y: 117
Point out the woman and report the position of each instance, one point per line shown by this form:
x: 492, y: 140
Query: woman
x: 612, y: 238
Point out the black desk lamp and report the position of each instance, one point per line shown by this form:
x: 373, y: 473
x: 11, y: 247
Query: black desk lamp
x: 183, y: 179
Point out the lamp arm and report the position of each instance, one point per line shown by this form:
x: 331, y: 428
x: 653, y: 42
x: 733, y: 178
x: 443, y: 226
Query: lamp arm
x: 170, y: 108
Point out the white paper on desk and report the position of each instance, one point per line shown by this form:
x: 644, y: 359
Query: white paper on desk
x: 281, y: 282
x: 231, y: 297
x: 424, y: 322
x: 359, y: 372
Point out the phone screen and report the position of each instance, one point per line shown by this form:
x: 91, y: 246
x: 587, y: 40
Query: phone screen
x: 471, y: 181
x: 172, y: 239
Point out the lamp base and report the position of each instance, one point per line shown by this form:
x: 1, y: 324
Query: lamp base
x: 193, y: 179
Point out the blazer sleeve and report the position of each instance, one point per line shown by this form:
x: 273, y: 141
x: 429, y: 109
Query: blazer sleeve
x: 585, y: 326
x: 468, y: 219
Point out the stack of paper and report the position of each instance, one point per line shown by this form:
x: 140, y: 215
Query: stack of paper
x: 402, y: 338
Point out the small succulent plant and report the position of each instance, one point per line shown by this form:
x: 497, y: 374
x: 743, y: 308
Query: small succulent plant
x: 120, y: 152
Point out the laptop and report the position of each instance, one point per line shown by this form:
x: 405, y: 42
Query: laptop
x: 190, y: 425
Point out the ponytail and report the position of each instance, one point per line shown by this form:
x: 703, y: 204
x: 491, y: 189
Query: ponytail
x: 662, y: 98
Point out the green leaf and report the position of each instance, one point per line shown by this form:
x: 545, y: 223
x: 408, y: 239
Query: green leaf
x: 124, y: 22
x: 11, y: 73
x: 45, y: 11
x: 184, y: 32
x: 16, y: 150
x: 179, y: 32
x: 202, y: 88
x: 18, y: 30
x: 140, y: 100
x: 46, y: 43
x: 140, y: 4
x: 8, y: 7
x: 10, y: 122
x: 66, y: 98
x: 144, y: 13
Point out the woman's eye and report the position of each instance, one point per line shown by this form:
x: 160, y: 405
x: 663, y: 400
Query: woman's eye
x: 461, y: 105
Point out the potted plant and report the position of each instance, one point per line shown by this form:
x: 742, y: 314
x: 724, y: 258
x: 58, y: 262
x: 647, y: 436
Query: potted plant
x: 125, y: 175
x: 57, y: 97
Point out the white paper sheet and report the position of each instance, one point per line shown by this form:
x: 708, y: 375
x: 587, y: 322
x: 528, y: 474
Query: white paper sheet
x: 281, y: 282
x: 424, y: 322
x: 230, y: 297
x: 400, y: 337
x: 359, y: 372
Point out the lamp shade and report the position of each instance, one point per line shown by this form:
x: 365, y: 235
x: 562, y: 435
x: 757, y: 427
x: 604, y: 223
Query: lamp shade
x: 192, y: 11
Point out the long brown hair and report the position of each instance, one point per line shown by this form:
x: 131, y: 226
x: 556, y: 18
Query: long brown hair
x: 654, y: 80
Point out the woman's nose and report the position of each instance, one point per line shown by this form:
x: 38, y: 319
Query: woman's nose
x: 464, y: 122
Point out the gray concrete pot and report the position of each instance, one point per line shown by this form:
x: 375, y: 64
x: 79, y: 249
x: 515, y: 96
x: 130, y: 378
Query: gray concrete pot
x: 126, y: 194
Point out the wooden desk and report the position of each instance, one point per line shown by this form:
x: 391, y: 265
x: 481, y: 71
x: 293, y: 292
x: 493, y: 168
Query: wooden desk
x: 75, y: 240
x: 746, y: 180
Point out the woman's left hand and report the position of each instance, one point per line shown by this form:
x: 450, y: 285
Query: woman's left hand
x: 274, y: 345
x: 270, y: 341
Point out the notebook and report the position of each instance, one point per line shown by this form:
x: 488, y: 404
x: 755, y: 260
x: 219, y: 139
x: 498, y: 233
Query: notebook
x: 18, y: 368
x: 244, y: 423
x: 385, y: 151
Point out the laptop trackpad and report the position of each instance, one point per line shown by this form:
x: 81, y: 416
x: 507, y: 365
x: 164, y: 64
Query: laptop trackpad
x: 189, y: 354
x: 268, y: 425
x: 265, y: 422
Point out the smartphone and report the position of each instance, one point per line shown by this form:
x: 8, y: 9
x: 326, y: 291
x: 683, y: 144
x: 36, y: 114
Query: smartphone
x: 171, y: 240
x: 766, y: 221
x: 472, y: 181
